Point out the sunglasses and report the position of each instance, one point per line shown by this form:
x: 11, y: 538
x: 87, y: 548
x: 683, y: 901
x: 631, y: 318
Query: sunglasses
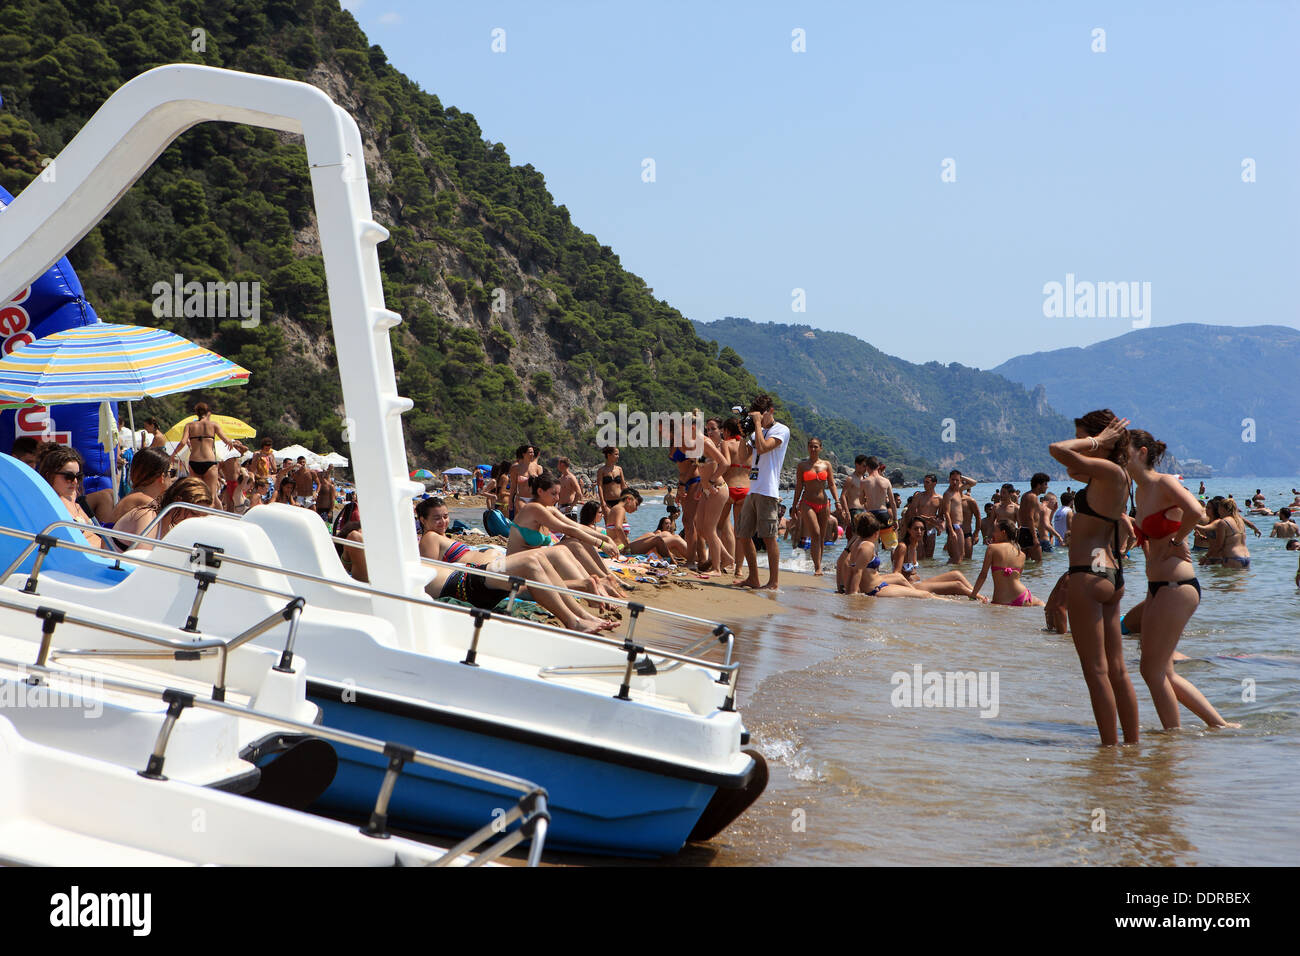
x: 70, y: 475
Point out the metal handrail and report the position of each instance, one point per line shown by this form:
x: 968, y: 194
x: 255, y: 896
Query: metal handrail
x: 727, y: 670
x: 291, y: 612
x: 531, y: 807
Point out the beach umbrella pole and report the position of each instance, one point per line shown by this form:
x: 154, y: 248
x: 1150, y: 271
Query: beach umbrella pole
x: 130, y: 414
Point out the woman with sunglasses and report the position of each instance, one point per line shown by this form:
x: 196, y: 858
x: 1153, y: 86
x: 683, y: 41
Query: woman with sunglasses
x: 151, y: 475
x: 61, y: 466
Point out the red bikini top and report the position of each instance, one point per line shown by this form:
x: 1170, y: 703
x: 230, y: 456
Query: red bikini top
x: 1156, y: 525
x: 813, y: 475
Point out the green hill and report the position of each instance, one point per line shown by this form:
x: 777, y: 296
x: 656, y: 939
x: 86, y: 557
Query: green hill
x: 1192, y: 386
x: 959, y: 417
x: 518, y: 325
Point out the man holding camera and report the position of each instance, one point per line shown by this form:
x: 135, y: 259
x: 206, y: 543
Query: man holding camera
x: 758, y: 515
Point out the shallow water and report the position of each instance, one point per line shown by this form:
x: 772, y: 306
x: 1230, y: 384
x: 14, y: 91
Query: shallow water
x: 858, y: 780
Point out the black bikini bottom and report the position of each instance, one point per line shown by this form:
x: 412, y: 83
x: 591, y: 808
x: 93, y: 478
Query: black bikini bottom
x: 1114, y: 575
x: 1154, y: 586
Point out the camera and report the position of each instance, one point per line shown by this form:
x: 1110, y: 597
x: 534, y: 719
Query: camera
x: 747, y: 426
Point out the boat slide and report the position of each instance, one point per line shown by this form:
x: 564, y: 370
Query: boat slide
x: 640, y: 747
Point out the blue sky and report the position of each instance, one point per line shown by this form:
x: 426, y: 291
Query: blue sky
x: 821, y: 170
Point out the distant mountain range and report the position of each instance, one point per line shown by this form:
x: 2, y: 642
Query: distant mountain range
x: 986, y: 425
x: 1198, y: 388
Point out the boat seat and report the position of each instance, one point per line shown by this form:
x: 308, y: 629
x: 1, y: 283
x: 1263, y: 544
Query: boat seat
x: 302, y: 543
x: 29, y: 504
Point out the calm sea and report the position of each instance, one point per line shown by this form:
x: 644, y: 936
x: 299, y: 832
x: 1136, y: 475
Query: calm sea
x: 859, y: 779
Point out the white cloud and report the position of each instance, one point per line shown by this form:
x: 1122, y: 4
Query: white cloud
x: 388, y: 19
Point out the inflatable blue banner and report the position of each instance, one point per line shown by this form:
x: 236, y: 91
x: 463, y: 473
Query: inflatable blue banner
x: 52, y: 303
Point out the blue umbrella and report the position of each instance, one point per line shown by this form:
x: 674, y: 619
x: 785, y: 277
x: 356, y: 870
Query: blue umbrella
x: 456, y: 471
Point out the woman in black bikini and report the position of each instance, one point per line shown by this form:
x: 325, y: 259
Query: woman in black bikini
x: 200, y: 435
x: 688, y: 480
x: 612, y: 482
x: 1166, y: 514
x: 1097, y: 455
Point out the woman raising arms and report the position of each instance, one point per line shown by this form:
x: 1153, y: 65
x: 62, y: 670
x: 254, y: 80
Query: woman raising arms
x: 1166, y: 514
x: 1097, y: 455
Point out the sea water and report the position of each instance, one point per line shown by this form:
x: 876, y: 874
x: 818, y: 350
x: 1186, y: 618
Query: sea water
x: 863, y: 773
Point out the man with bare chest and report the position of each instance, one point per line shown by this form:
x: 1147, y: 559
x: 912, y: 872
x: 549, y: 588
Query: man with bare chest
x: 571, y: 491
x: 1006, y: 508
x: 325, y: 496
x: 953, y: 512
x: 877, y: 492
x: 851, y: 489
x: 304, y: 483
x: 970, y: 524
x: 1031, y: 518
x: 925, y: 505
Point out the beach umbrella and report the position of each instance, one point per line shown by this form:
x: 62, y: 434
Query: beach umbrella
x: 422, y: 474
x: 335, y: 460
x: 231, y: 426
x: 298, y: 451
x: 104, y: 362
x: 456, y: 471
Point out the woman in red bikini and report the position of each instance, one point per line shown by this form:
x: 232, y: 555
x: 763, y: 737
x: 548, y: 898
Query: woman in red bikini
x: 1004, y: 560
x: 741, y: 455
x: 1097, y: 454
x: 814, y: 489
x: 1166, y: 514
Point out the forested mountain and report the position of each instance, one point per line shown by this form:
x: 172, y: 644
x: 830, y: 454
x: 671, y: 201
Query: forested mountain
x: 957, y: 416
x: 570, y: 333
x: 1224, y: 394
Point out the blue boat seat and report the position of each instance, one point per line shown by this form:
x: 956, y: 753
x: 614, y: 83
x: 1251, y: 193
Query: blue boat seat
x: 29, y: 504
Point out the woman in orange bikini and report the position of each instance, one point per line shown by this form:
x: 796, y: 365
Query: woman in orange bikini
x: 741, y: 455
x: 814, y: 489
x: 1004, y: 559
x: 1166, y: 513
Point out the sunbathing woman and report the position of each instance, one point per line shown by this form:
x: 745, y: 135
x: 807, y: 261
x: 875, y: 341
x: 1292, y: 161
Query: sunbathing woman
x: 1005, y: 560
x: 663, y: 541
x: 1097, y: 454
x: 906, y: 563
x: 485, y: 592
x: 151, y: 476
x: 1167, y: 513
x: 863, y: 566
x: 62, y: 467
x: 539, y: 516
x: 814, y: 490
x: 741, y: 456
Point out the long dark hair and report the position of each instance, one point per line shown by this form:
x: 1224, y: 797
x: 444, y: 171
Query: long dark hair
x: 147, y: 465
x: 1007, y: 527
x: 541, y: 482
x: 1138, y: 438
x: 1095, y: 422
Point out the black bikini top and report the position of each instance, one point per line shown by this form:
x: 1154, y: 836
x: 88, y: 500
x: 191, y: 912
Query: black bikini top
x: 609, y: 480
x: 1082, y: 507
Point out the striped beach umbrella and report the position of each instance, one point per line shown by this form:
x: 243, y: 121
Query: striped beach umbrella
x: 103, y: 362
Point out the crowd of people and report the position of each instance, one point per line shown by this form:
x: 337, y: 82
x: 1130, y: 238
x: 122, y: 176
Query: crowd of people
x: 156, y: 479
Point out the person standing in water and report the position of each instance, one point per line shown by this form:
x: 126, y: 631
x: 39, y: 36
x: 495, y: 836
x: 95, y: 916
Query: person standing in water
x: 953, y: 512
x: 814, y: 490
x: 758, y: 514
x: 853, y: 489
x: 1230, y: 534
x: 1166, y: 514
x: 1097, y: 454
x: 925, y: 504
x: 1032, y: 531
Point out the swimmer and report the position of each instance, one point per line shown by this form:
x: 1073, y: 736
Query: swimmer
x: 1285, y: 527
